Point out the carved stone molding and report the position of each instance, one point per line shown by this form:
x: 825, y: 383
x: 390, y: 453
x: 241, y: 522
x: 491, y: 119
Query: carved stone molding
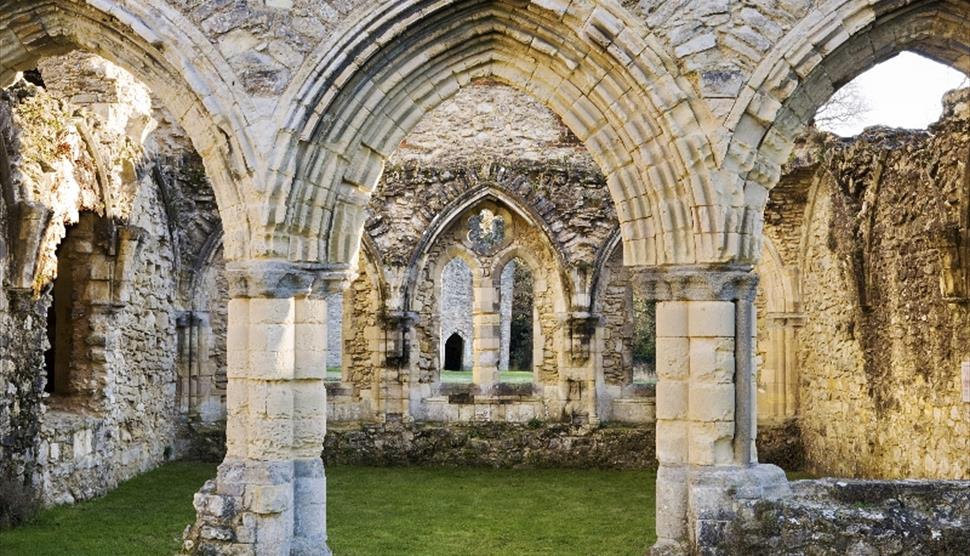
x: 696, y: 283
x: 282, y: 279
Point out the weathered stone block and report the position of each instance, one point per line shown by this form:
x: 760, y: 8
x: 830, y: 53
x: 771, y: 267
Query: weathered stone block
x: 268, y: 499
x: 711, y: 402
x: 712, y: 360
x: 672, y: 442
x: 672, y: 319
x: 711, y: 319
x: 673, y: 357
x: 711, y: 443
x: 672, y: 400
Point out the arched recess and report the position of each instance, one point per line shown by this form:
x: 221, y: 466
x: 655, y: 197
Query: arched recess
x: 201, y: 323
x: 550, y: 304
x: 779, y: 321
x: 448, y: 216
x: 438, y: 331
x: 361, y: 389
x: 163, y: 50
x: 625, y: 330
x: 592, y: 64
x: 810, y: 63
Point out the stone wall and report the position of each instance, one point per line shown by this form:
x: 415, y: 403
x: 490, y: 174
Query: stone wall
x: 22, y: 328
x: 118, y: 220
x: 492, y: 445
x: 356, y: 396
x: 856, y: 517
x: 867, y: 227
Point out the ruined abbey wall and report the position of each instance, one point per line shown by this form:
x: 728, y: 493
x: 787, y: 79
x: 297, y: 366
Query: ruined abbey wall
x: 109, y: 240
x: 880, y: 341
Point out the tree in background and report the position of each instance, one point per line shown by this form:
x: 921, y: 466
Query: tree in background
x: 846, y: 107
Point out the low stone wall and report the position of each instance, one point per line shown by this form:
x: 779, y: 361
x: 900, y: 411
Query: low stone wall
x: 623, y: 446
x: 492, y: 445
x: 201, y: 440
x: 860, y: 518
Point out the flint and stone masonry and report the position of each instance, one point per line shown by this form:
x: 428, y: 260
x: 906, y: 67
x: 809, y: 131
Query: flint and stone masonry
x: 289, y: 114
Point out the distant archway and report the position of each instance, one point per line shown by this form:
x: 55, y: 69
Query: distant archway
x: 454, y: 350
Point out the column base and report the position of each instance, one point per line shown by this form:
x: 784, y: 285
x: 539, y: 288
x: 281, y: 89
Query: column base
x: 714, y: 494
x: 271, y: 508
x: 695, y: 504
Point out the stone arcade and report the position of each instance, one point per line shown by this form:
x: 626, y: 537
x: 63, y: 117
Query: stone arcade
x: 197, y: 196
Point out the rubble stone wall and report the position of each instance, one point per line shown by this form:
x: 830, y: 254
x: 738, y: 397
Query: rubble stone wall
x: 880, y: 348
x: 119, y: 210
x: 856, y: 517
x: 492, y: 445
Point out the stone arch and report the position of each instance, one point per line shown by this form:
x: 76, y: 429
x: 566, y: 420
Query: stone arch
x: 375, y: 264
x: 780, y: 286
x: 460, y: 324
x: 560, y: 284
x: 203, y: 261
x: 815, y: 58
x: 455, y: 210
x: 614, y: 89
x: 509, y: 254
x: 550, y: 305
x: 600, y: 276
x: 177, y: 64
x: 778, y: 322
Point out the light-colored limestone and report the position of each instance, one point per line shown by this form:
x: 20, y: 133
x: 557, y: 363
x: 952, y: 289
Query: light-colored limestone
x: 690, y: 109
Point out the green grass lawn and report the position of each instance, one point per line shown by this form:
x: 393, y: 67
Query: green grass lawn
x: 465, y: 377
x: 144, y: 516
x: 380, y: 511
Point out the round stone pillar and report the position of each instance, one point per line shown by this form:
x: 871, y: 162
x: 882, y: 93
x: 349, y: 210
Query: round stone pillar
x: 269, y: 496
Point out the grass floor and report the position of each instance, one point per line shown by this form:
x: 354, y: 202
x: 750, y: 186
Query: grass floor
x: 380, y: 511
x: 144, y: 516
x: 511, y: 377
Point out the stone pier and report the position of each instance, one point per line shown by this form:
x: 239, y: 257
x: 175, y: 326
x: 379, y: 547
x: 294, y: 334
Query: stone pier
x: 269, y: 497
x: 705, y: 404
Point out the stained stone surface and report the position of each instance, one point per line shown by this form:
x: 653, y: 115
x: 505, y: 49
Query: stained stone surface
x: 837, y: 516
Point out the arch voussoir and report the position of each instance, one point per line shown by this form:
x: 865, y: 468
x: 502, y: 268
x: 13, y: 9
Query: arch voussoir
x: 179, y: 67
x: 809, y: 64
x: 590, y: 65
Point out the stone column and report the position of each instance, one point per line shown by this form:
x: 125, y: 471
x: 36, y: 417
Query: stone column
x: 269, y: 496
x: 705, y: 404
x: 486, y: 342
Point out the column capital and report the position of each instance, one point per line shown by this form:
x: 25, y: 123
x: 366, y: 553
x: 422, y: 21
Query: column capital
x: 274, y: 278
x: 696, y: 283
